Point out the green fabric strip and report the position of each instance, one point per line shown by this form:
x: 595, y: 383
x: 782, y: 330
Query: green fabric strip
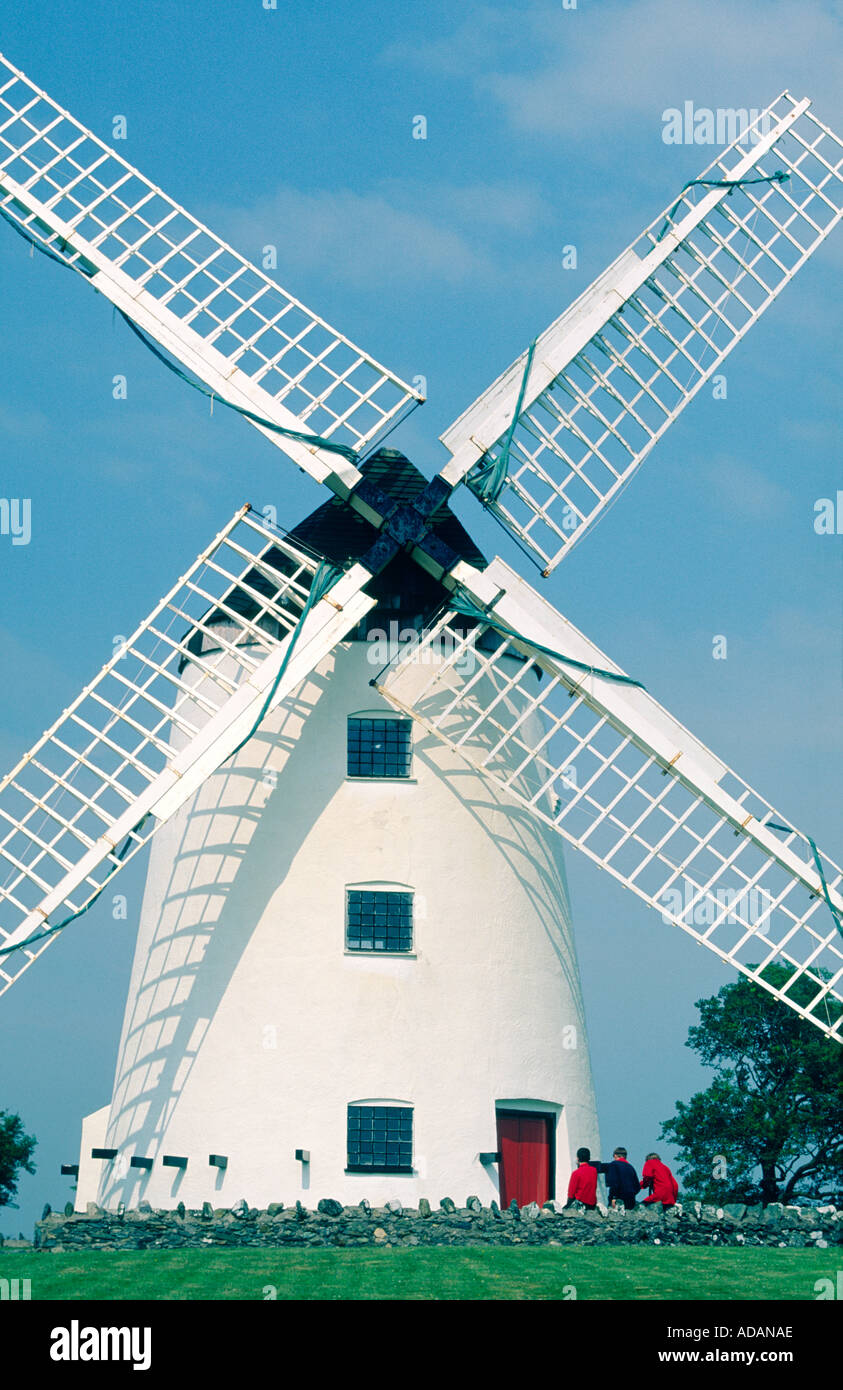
x: 80, y: 264
x: 326, y: 575
x: 323, y: 578
x: 789, y: 830
x: 778, y: 177
x: 488, y: 482
x: 463, y: 604
x: 317, y: 440
x: 45, y: 931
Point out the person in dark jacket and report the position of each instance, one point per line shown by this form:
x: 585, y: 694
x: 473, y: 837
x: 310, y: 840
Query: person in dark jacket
x: 621, y: 1179
x: 583, y: 1184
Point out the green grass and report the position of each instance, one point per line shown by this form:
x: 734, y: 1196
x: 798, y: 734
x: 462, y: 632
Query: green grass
x: 444, y: 1273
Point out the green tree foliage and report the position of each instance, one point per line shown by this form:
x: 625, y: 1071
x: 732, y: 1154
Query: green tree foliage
x: 770, y: 1126
x: 16, y: 1150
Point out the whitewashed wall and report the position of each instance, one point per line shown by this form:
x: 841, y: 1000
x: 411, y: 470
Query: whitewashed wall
x: 249, y: 1029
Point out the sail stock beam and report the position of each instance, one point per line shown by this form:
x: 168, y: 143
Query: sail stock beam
x: 614, y: 371
x: 175, y: 701
x: 595, y: 758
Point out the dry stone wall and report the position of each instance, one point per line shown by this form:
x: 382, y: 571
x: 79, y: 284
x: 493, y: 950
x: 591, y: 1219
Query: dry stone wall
x: 333, y: 1224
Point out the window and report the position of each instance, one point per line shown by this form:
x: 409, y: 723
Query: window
x: 378, y: 920
x: 380, y: 1138
x: 379, y: 747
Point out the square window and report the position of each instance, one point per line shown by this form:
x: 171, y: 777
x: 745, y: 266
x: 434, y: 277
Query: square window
x: 373, y: 1137
x: 378, y: 921
x: 379, y: 747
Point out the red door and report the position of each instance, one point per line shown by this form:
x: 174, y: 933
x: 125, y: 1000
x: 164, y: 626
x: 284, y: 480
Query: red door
x: 524, y: 1146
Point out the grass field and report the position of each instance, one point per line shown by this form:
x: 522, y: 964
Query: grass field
x: 443, y: 1273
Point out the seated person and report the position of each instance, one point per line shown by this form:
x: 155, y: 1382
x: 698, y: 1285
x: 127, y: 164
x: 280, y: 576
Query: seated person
x: 621, y: 1179
x: 662, y: 1184
x: 583, y: 1184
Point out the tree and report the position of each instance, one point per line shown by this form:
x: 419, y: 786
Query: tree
x: 16, y: 1150
x: 770, y: 1125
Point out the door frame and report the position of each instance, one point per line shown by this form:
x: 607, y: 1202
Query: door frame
x: 540, y: 1110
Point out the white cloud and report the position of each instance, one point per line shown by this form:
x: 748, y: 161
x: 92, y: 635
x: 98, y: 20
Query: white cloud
x: 800, y: 633
x: 510, y: 207
x: 363, y: 239
x: 482, y: 38
x: 740, y: 488
x: 400, y: 235
x: 588, y: 71
x: 40, y: 682
x: 816, y: 435
x: 22, y: 424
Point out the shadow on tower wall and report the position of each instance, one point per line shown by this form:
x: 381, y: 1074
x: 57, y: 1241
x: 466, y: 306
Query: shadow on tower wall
x: 207, y: 912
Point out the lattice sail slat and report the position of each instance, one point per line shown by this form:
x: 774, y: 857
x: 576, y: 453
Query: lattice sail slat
x: 222, y: 317
x: 614, y: 371
x: 174, y: 702
x: 609, y: 769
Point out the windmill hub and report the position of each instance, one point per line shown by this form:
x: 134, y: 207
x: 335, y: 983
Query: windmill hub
x: 406, y: 525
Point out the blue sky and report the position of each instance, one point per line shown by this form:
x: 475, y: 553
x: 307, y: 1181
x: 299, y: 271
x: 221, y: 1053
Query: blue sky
x: 442, y: 257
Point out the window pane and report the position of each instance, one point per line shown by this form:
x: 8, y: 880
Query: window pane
x: 378, y: 921
x: 380, y: 1137
x: 379, y: 747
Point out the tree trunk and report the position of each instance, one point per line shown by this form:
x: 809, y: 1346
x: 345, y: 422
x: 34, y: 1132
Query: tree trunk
x: 787, y: 1194
x: 769, y: 1181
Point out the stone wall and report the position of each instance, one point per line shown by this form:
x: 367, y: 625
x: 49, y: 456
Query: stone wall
x: 332, y: 1224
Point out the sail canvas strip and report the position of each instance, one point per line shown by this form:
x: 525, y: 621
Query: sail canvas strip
x: 611, y: 374
x: 174, y: 702
x: 217, y: 313
x: 603, y: 764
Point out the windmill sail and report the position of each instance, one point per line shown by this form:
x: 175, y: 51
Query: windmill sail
x: 599, y: 760
x: 562, y: 431
x: 178, y: 698
x: 224, y: 319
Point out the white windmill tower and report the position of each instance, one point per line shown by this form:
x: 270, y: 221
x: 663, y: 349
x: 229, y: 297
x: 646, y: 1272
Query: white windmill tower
x: 355, y: 968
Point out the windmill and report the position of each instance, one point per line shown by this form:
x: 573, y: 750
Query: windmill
x: 355, y: 965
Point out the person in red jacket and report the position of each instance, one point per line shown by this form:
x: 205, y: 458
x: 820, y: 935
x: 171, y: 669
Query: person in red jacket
x: 583, y: 1184
x: 662, y: 1184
